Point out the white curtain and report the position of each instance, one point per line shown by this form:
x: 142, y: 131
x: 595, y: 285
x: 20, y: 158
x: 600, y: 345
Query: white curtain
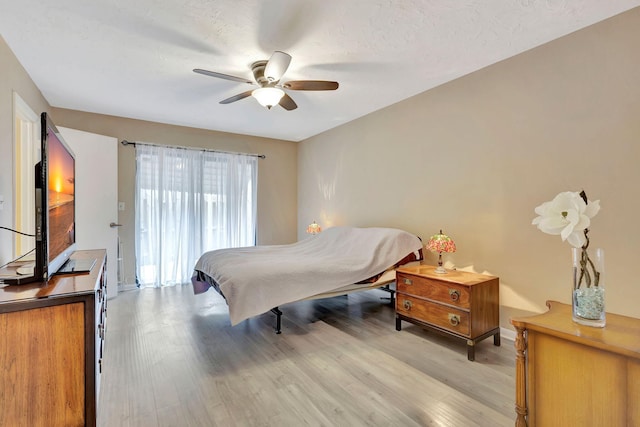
x: 189, y: 202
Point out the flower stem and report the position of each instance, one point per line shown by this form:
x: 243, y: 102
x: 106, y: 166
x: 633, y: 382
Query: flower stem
x: 585, y: 265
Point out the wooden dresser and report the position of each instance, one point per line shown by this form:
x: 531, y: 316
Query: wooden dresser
x: 573, y: 375
x: 462, y: 304
x: 51, y: 341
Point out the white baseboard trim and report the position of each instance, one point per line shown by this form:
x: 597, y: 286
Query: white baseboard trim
x: 127, y: 287
x: 508, y: 334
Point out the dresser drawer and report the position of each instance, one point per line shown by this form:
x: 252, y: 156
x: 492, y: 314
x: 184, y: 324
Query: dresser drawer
x: 448, y: 293
x: 444, y: 317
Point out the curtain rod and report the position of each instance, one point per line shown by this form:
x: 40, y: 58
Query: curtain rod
x: 125, y: 143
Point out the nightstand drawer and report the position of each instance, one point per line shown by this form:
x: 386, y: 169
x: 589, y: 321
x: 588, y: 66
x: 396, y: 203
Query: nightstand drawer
x: 448, y: 293
x: 444, y: 317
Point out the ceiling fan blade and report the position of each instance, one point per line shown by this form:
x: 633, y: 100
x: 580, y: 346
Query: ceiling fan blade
x: 277, y: 66
x: 310, y: 85
x: 237, y: 97
x: 288, y: 103
x: 222, y: 76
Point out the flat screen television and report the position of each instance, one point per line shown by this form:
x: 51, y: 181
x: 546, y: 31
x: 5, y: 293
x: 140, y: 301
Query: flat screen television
x: 55, y: 179
x: 55, y: 211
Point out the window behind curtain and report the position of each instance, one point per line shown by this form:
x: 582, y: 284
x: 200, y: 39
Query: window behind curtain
x: 189, y: 202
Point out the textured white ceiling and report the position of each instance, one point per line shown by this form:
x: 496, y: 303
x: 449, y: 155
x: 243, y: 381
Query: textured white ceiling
x: 133, y: 58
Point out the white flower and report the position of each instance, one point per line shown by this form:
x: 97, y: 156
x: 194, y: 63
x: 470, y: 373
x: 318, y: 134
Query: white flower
x: 567, y: 215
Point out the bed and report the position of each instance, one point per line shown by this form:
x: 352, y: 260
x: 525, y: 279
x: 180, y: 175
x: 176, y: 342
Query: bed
x: 257, y: 279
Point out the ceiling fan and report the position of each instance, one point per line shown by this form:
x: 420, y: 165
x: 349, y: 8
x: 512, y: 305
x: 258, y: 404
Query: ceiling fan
x: 267, y: 75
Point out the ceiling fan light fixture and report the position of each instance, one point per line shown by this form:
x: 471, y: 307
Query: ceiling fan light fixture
x: 268, y: 96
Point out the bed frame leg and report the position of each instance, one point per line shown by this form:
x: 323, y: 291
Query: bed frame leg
x: 392, y: 294
x: 278, y: 314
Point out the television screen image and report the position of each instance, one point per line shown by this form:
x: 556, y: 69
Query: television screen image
x: 61, y: 198
x: 55, y: 202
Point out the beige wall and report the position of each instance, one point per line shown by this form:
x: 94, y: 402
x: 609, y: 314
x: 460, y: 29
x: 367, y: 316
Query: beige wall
x: 13, y: 78
x: 277, y: 174
x: 476, y: 156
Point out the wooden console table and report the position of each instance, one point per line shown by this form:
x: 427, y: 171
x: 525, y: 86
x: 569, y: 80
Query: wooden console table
x: 51, y: 340
x: 573, y: 375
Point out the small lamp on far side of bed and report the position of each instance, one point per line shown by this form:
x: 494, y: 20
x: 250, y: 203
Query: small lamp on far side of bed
x: 441, y: 243
x: 313, y: 228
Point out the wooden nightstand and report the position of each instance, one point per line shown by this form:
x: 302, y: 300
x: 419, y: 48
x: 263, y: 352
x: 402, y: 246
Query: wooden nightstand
x: 458, y: 303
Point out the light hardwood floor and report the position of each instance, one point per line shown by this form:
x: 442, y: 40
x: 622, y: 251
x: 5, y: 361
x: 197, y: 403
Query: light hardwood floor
x: 173, y: 359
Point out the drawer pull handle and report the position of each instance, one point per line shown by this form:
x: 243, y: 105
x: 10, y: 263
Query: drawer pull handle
x: 407, y: 304
x: 408, y: 282
x: 454, y: 319
x: 454, y: 294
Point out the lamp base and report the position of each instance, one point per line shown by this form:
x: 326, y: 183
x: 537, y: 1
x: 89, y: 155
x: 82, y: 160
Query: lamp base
x: 440, y: 269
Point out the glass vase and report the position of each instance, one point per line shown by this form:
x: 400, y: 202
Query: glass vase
x: 588, y: 298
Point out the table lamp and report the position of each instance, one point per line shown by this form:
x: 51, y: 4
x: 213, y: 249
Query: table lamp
x: 441, y: 243
x: 313, y: 228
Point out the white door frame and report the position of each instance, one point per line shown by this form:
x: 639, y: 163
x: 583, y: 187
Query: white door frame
x: 26, y: 137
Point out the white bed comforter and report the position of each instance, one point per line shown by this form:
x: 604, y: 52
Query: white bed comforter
x: 256, y: 279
